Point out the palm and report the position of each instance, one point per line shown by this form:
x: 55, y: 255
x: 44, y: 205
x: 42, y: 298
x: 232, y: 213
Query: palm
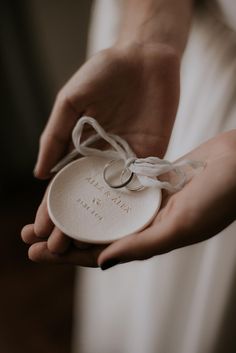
x: 130, y: 95
x: 132, y: 92
x: 203, y: 208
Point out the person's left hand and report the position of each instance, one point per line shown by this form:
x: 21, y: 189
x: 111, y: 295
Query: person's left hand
x: 132, y: 91
x: 204, y: 207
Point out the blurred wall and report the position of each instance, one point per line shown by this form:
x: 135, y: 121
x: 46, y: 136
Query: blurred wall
x: 42, y: 43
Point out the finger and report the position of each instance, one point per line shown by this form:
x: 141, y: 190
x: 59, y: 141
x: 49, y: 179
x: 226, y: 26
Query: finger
x: 58, y: 243
x: 57, y: 134
x: 43, y: 225
x: 28, y: 236
x: 155, y: 240
x: 39, y: 253
x: 81, y: 245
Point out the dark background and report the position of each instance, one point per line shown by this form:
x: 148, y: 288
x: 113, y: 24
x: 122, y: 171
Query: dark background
x: 42, y: 44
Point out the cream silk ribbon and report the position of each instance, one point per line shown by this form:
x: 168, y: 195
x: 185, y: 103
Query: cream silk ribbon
x: 147, y: 170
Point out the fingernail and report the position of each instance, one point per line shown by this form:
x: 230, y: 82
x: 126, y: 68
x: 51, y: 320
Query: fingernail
x: 109, y: 263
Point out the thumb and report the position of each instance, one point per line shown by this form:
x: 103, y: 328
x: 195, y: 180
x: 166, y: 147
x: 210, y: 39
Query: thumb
x: 55, y: 139
x: 155, y: 240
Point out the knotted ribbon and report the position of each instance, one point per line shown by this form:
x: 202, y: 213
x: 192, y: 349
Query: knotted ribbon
x: 147, y: 170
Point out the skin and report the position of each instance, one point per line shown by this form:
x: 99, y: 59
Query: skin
x: 132, y: 89
x: 204, y: 207
x: 138, y: 76
x: 140, y: 83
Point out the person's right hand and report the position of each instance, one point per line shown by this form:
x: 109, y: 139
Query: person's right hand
x: 133, y: 91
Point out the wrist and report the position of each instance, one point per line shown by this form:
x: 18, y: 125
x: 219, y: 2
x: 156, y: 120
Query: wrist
x: 155, y: 23
x: 157, y: 55
x: 167, y: 41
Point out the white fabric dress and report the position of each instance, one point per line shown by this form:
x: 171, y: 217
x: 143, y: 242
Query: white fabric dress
x: 184, y: 301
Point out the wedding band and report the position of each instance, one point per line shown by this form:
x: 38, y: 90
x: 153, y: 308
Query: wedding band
x: 122, y: 184
x: 130, y: 187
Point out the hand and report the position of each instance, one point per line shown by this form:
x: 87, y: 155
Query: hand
x: 132, y: 91
x: 204, y: 207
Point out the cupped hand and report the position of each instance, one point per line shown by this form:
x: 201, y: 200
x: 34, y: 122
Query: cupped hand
x: 132, y: 91
x: 204, y: 207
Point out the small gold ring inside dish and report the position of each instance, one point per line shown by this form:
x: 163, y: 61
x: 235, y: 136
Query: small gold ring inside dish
x: 123, y: 183
x: 129, y: 185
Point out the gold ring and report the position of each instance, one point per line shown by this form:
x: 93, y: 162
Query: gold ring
x: 122, y: 184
